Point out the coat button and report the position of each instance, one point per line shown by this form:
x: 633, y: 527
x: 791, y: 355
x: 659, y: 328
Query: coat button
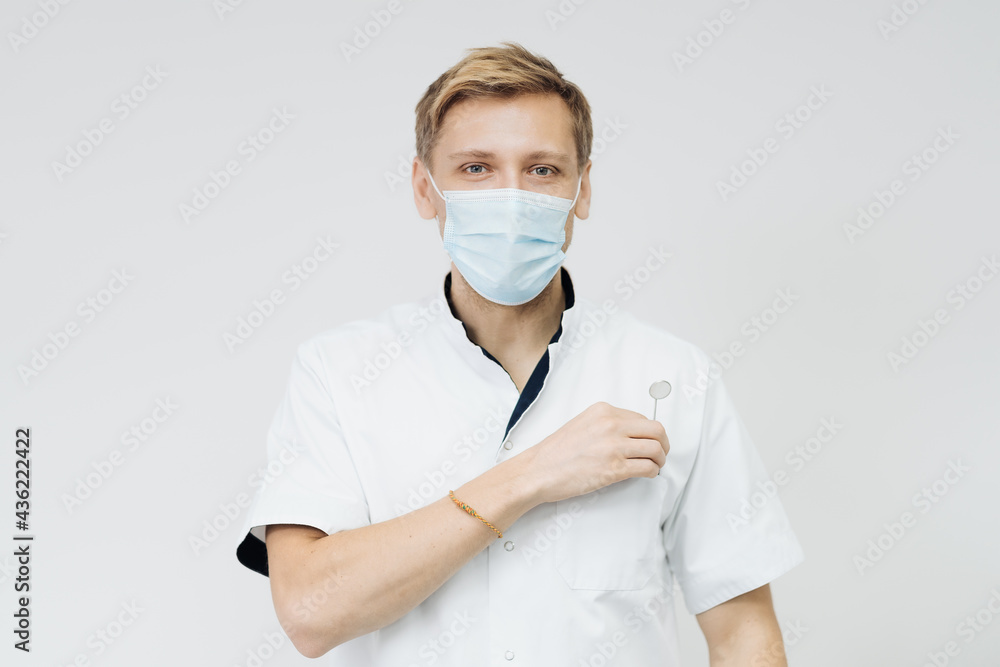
x: 508, y: 545
x: 508, y: 445
x: 509, y: 655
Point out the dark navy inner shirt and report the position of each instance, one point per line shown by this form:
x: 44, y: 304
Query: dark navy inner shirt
x: 534, y: 384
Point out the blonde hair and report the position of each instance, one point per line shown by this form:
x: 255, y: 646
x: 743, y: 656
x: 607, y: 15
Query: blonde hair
x: 500, y: 72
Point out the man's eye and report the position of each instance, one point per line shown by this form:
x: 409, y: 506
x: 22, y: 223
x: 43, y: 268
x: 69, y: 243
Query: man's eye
x: 548, y: 170
x: 475, y: 166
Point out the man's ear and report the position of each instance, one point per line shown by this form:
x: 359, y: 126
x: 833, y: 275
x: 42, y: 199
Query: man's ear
x: 582, y: 209
x: 423, y: 192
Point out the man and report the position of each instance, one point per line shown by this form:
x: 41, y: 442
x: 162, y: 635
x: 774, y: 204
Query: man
x: 471, y: 479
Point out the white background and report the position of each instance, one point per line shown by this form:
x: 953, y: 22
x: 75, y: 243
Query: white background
x: 654, y: 184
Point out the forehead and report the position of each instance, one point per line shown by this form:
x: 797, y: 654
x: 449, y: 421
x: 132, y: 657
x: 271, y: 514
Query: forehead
x: 528, y: 120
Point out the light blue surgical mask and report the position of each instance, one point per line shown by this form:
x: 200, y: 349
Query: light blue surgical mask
x: 506, y: 242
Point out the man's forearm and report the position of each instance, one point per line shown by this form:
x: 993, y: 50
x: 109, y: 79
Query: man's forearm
x: 353, y: 582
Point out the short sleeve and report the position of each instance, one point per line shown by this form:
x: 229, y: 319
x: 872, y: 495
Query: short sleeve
x: 715, y: 554
x: 310, y: 478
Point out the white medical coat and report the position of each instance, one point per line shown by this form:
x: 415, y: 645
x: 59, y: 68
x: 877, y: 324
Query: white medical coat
x: 385, y: 415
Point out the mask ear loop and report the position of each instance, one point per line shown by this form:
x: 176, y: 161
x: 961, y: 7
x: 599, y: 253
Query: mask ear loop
x: 431, y: 178
x: 578, y: 186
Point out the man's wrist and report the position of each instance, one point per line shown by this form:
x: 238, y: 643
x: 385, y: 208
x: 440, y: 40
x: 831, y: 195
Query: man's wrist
x: 526, y: 483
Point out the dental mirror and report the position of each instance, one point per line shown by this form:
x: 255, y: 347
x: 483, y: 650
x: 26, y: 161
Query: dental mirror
x: 657, y: 390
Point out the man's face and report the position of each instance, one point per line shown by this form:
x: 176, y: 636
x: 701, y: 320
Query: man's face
x: 523, y: 142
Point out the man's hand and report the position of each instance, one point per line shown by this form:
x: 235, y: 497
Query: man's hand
x: 600, y: 446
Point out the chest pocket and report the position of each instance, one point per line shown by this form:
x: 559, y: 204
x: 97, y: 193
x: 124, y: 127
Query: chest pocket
x: 611, y: 539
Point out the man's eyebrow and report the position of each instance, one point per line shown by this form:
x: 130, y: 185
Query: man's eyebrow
x: 485, y: 155
x: 554, y: 156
